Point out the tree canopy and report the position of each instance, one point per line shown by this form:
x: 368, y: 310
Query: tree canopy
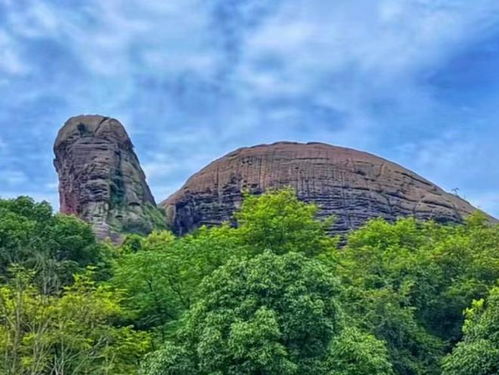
x: 271, y: 314
x: 478, y: 352
x: 274, y: 294
x: 55, y: 246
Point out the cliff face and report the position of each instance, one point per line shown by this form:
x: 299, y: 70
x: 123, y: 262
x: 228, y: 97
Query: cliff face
x: 100, y: 178
x: 101, y: 181
x: 351, y: 185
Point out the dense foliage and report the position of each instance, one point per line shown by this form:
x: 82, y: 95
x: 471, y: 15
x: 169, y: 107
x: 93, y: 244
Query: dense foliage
x: 54, y: 246
x: 478, y: 353
x: 270, y: 314
x: 274, y: 295
x: 68, y: 333
x: 56, y: 314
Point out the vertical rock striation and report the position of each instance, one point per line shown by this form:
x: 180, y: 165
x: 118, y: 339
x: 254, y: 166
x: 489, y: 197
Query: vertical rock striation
x: 100, y: 178
x: 353, y: 186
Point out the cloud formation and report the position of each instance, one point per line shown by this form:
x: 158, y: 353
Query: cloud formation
x: 414, y: 81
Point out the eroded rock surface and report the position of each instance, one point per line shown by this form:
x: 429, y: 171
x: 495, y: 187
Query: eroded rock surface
x: 351, y: 185
x: 100, y: 178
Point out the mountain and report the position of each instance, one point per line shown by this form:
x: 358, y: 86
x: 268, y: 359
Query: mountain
x: 353, y: 186
x: 102, y: 182
x: 100, y: 178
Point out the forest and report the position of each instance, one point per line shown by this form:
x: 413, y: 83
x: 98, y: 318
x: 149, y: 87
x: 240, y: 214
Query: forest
x: 275, y: 295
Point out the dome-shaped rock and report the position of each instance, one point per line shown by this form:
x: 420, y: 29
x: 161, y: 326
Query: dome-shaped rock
x: 353, y: 186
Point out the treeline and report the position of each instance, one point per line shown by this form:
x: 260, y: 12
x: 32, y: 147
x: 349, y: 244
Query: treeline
x: 276, y: 295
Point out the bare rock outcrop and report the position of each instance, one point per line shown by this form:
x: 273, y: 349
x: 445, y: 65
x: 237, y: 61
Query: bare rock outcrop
x: 353, y: 186
x: 100, y: 178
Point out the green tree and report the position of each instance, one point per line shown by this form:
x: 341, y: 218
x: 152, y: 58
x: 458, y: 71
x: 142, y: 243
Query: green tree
x: 279, y: 222
x: 54, y: 246
x: 270, y: 314
x: 408, y: 283
x: 478, y: 352
x: 354, y: 352
x: 160, y: 273
x: 68, y: 334
x: 381, y: 267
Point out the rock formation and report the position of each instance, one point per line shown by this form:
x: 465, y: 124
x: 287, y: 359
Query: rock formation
x: 100, y: 178
x: 101, y: 181
x: 351, y: 185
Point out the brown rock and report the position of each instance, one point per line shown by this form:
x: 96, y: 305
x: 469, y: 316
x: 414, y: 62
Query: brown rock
x: 351, y: 185
x: 100, y: 178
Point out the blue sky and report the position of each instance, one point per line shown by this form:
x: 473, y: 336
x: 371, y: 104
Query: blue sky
x: 414, y: 81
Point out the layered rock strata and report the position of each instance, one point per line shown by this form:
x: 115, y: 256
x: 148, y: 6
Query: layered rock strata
x: 353, y: 186
x: 100, y: 178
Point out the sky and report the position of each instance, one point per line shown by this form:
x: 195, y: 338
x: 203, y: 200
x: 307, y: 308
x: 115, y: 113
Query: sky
x: 413, y: 81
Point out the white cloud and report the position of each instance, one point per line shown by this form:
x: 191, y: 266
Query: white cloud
x: 37, y: 19
x: 202, y: 83
x: 112, y: 36
x: 441, y: 154
x: 375, y: 44
x: 10, y: 61
x: 12, y: 177
x: 166, y: 36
